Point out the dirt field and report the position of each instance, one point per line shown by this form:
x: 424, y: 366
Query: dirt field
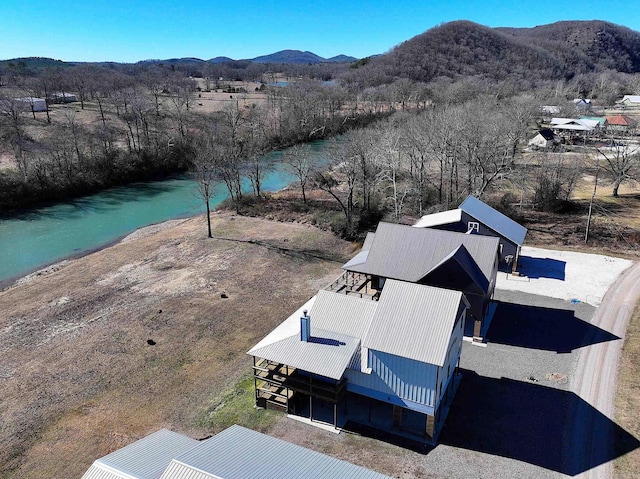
x: 120, y: 343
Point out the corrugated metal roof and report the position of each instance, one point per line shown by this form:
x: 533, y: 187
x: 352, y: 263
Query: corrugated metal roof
x: 327, y: 353
x: 495, y: 220
x: 146, y: 458
x: 343, y: 314
x: 367, y: 241
x: 240, y: 453
x: 407, y: 253
x: 414, y: 321
x: 437, y: 219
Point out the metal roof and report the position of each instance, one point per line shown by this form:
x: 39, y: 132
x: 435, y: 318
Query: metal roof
x: 414, y: 321
x: 437, y: 219
x: 240, y: 453
x: 327, y: 353
x: 409, y: 254
x: 574, y: 124
x: 501, y: 224
x: 338, y: 322
x: 146, y: 458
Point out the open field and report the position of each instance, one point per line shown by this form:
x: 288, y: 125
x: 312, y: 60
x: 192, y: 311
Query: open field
x: 115, y: 345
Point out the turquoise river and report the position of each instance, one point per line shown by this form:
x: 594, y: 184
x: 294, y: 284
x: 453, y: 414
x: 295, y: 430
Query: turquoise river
x: 45, y: 235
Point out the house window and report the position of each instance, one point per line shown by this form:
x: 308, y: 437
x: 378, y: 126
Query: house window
x: 473, y: 226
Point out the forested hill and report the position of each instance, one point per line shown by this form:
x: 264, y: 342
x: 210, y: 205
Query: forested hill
x: 462, y: 48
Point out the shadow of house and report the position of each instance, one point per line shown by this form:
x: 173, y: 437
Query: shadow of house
x: 547, y: 329
x: 542, y: 268
x: 529, y: 423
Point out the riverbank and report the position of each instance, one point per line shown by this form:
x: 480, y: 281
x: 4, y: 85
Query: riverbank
x: 103, y: 349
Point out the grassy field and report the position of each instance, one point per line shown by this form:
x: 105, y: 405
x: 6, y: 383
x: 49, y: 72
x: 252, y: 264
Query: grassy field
x: 120, y: 343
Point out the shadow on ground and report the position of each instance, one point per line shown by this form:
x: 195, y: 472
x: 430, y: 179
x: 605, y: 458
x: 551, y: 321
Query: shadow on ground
x: 528, y: 422
x: 547, y: 329
x: 541, y: 267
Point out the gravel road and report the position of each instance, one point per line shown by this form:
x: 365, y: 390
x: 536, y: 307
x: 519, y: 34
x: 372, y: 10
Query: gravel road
x: 593, y: 437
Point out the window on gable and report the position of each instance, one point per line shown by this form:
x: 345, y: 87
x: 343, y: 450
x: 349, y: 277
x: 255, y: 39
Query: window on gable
x: 473, y: 226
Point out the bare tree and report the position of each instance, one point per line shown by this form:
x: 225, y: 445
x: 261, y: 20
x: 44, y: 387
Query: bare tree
x: 621, y: 161
x: 297, y: 161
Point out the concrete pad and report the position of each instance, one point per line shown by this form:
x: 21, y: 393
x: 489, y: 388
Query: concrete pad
x: 567, y: 275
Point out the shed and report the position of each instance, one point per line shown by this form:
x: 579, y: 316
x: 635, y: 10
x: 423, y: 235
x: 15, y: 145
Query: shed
x: 63, y: 97
x: 543, y: 139
x: 235, y: 453
x: 29, y: 103
x: 146, y: 458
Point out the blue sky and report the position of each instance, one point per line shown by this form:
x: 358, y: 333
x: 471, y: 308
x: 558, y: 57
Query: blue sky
x: 132, y: 30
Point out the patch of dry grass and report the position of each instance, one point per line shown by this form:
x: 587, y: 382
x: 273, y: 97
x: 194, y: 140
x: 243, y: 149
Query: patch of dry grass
x: 628, y: 396
x: 79, y: 378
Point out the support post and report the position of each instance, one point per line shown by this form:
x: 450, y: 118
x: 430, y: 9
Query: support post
x: 477, y: 326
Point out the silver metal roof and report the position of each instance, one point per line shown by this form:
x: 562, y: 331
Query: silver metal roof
x: 240, y: 453
x: 414, y: 321
x: 327, y: 353
x: 495, y: 220
x: 409, y: 254
x: 146, y: 458
x: 338, y: 322
x: 437, y: 219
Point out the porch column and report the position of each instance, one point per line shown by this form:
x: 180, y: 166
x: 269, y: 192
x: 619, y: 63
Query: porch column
x: 477, y: 326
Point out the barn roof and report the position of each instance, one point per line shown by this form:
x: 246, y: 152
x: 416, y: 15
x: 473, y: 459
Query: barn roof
x: 230, y: 454
x: 146, y: 458
x: 492, y: 218
x: 409, y: 254
x: 240, y: 453
x: 620, y: 120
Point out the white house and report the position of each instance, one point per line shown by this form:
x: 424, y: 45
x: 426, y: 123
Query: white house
x: 544, y: 139
x: 630, y: 100
x: 399, y: 353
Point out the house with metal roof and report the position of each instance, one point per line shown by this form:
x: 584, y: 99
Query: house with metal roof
x: 400, y: 352
x: 230, y: 454
x: 474, y: 216
x: 630, y: 100
x: 543, y: 139
x: 444, y: 259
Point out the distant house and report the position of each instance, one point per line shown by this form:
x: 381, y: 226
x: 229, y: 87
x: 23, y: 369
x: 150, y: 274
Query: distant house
x: 544, y: 139
x: 550, y: 109
x: 582, y: 104
x: 444, y: 259
x: 30, y: 103
x: 602, y: 120
x: 62, y: 97
x: 574, y: 125
x: 620, y: 123
x: 476, y: 217
x: 396, y: 357
x: 630, y: 100
x: 235, y: 453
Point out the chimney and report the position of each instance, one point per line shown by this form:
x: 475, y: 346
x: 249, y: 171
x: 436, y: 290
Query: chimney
x: 305, y: 327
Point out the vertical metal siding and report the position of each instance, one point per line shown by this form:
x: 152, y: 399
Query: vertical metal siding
x: 393, y: 375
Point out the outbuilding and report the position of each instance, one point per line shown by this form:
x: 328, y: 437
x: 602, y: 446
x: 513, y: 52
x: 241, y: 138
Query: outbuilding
x: 544, y: 139
x: 235, y: 453
x: 29, y: 103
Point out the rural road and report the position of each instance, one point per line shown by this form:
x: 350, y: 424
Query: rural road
x: 591, y: 440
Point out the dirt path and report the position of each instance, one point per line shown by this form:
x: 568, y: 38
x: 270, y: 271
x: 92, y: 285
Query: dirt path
x: 592, y: 438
